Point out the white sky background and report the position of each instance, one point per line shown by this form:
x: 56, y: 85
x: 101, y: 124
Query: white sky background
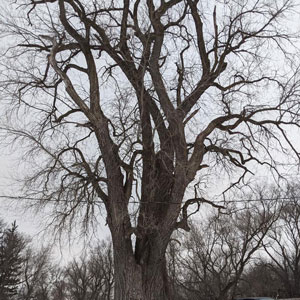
x: 34, y: 224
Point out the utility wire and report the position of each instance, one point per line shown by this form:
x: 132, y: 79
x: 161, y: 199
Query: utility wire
x: 225, y: 201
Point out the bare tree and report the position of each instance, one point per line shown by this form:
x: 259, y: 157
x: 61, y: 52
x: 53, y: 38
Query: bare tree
x: 101, y: 271
x: 60, y: 289
x: 260, y: 280
x: 283, y: 247
x: 220, y: 249
x: 36, y: 275
x: 78, y: 280
x: 127, y: 104
x: 91, y: 278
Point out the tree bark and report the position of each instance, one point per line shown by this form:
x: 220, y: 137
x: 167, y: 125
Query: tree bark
x: 141, y: 276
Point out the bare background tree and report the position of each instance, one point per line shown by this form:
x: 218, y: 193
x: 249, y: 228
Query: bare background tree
x: 36, y: 274
x: 131, y: 104
x: 221, y: 248
x: 93, y: 278
x: 283, y: 247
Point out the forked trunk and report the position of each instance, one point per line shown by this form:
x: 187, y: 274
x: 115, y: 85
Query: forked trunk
x: 146, y: 282
x: 139, y: 278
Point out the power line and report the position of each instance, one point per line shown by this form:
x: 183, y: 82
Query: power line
x: 225, y: 201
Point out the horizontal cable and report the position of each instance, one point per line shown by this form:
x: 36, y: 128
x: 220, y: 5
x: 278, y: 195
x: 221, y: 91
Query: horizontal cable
x: 153, y: 202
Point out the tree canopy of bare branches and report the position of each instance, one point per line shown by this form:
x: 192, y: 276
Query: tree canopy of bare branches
x: 126, y: 104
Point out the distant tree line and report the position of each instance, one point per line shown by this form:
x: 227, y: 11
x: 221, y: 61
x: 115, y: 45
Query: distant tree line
x: 253, y: 249
x: 30, y: 274
x: 250, y: 249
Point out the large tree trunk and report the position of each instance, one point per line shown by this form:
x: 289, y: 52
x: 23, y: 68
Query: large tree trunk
x: 141, y: 275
